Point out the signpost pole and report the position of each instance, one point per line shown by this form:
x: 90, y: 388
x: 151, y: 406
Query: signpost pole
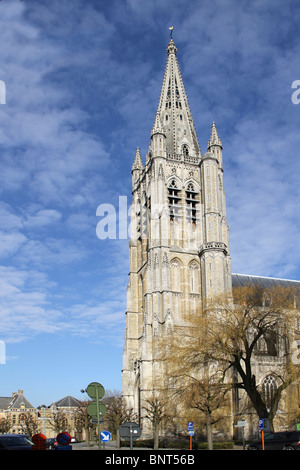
x: 243, y: 436
x: 190, y: 428
x: 98, y: 418
x: 261, y: 427
x: 131, y: 437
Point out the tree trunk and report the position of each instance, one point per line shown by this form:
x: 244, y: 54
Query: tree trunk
x: 156, y: 437
x: 118, y: 440
x: 209, y: 432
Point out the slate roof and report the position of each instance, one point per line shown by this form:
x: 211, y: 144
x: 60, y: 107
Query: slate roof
x: 67, y: 401
x: 7, y: 403
x: 267, y: 282
x: 239, y: 280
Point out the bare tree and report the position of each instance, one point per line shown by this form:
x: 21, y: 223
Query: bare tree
x: 28, y: 423
x: 59, y: 422
x: 5, y: 425
x: 219, y: 345
x: 83, y: 421
x: 194, y: 380
x: 117, y: 413
x: 156, y: 413
x: 236, y: 330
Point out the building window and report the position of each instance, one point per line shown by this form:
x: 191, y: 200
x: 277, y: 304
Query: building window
x: 269, y: 388
x: 174, y: 200
x: 175, y: 275
x: 194, y: 277
x: 191, y: 201
x: 185, y: 150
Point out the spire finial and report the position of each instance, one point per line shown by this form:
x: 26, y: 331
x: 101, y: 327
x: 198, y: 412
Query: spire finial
x: 171, y: 31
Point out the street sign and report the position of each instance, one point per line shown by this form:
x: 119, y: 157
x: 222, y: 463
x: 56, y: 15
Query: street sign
x: 105, y: 436
x: 261, y: 424
x: 93, y: 388
x: 240, y: 424
x: 92, y: 409
x: 39, y: 441
x: 191, y: 433
x: 130, y: 432
x: 63, y: 438
x: 95, y: 421
x: 261, y: 427
x: 190, y: 425
x: 96, y: 409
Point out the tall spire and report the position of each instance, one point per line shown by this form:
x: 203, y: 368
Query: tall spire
x: 173, y: 110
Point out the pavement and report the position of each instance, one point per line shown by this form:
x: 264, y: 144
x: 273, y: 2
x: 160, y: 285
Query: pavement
x: 111, y: 445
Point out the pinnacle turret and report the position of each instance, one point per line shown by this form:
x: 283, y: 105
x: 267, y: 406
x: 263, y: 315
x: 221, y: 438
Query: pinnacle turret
x: 214, y: 144
x: 157, y: 127
x: 214, y: 138
x: 137, y: 164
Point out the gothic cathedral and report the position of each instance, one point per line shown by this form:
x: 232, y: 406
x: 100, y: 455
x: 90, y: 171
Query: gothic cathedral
x: 179, y: 247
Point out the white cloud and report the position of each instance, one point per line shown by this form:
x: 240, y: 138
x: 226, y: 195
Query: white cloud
x: 10, y: 243
x: 43, y: 218
x: 24, y: 308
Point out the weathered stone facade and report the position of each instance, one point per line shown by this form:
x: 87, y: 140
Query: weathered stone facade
x: 179, y: 247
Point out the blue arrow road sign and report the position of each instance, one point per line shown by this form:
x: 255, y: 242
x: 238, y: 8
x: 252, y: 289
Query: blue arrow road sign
x: 105, y: 436
x: 190, y: 426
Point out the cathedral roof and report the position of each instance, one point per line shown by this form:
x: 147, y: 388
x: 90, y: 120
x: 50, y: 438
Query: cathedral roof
x: 239, y: 280
x: 174, y: 118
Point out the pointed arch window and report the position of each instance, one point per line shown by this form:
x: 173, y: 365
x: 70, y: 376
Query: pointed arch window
x: 174, y: 200
x: 175, y: 275
x: 185, y: 150
x: 269, y: 388
x: 191, y: 203
x: 194, y: 277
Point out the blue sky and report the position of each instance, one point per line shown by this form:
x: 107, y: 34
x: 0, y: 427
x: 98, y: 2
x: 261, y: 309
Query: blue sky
x: 83, y: 80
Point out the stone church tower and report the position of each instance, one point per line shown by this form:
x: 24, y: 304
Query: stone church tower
x: 179, y: 247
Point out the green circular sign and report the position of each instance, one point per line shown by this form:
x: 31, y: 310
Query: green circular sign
x: 93, y: 388
x: 92, y: 409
